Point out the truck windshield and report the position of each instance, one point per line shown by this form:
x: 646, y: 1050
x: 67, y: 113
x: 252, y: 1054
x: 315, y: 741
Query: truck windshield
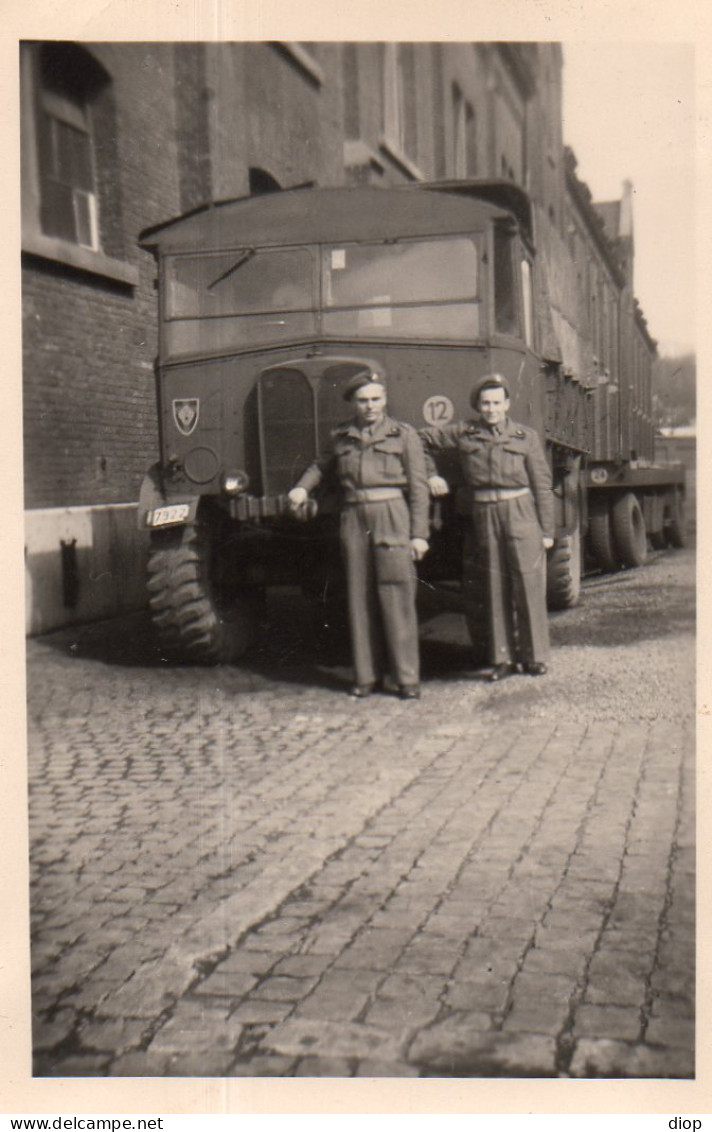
x: 422, y: 289
x: 242, y: 282
x: 419, y: 289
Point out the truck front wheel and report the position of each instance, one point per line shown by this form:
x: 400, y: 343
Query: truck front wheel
x: 195, y: 621
x: 563, y: 571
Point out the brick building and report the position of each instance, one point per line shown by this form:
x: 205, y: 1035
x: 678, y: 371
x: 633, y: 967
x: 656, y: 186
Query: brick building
x: 119, y: 137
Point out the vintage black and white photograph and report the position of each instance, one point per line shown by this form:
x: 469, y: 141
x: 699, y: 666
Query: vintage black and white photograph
x: 359, y: 434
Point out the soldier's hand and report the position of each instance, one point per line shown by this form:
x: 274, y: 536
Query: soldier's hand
x: 419, y: 547
x: 438, y: 486
x: 548, y: 543
x: 297, y: 497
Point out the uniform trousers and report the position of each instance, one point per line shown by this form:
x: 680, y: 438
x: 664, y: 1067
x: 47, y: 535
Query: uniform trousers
x: 504, y: 580
x: 381, y: 585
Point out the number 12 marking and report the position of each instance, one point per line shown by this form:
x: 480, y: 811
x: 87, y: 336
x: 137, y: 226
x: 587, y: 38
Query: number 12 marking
x: 438, y: 410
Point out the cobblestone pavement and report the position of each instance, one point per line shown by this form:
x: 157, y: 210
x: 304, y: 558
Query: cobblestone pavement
x: 242, y: 871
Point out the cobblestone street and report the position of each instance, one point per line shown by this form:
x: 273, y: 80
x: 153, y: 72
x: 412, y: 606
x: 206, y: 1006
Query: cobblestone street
x: 242, y: 871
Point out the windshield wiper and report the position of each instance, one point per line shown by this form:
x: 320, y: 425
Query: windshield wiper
x: 244, y: 258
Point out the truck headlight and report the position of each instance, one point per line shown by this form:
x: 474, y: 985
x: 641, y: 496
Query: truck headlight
x: 234, y: 483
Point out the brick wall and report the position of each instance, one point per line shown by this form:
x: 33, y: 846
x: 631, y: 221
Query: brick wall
x: 89, y: 405
x: 89, y: 341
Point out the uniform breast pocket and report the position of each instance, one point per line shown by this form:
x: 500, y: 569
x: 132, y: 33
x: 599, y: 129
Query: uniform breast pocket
x: 346, y: 461
x: 388, y: 457
x: 513, y: 457
x: 474, y: 460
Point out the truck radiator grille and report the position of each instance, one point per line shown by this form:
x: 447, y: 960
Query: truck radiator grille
x: 297, y: 413
x: 287, y: 434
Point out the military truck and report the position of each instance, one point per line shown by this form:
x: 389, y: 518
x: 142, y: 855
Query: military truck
x: 267, y: 307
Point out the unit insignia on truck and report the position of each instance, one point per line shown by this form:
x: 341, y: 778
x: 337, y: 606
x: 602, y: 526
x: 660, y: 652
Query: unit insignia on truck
x: 186, y: 413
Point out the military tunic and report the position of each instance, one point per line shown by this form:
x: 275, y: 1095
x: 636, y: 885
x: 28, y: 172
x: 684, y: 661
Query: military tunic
x: 511, y: 504
x: 377, y: 468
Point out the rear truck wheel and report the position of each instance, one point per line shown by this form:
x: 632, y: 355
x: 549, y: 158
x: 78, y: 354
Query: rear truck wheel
x: 563, y: 571
x: 628, y: 525
x: 674, y: 524
x: 600, y: 535
x: 196, y: 621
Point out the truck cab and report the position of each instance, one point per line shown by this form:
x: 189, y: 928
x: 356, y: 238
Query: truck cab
x: 267, y: 307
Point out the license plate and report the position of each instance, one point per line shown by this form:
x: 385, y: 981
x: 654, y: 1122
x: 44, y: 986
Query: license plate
x: 175, y: 513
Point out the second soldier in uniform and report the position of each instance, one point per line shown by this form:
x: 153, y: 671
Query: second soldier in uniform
x: 511, y: 526
x: 380, y: 467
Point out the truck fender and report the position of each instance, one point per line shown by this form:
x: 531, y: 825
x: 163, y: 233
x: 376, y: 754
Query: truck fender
x: 153, y: 495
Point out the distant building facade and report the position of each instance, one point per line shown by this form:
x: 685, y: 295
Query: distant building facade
x: 119, y: 137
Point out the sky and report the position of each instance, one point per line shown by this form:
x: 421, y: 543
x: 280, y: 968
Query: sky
x: 629, y: 112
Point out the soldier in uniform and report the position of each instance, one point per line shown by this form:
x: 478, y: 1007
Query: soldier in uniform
x: 512, y: 526
x: 380, y: 466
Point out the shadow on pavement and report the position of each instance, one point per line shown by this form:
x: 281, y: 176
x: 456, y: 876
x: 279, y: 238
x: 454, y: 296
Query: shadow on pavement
x: 292, y: 646
x: 295, y: 646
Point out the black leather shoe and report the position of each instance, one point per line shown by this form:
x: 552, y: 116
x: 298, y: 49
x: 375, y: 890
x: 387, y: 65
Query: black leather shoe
x: 501, y: 672
x: 409, y: 692
x: 360, y: 691
x: 536, y: 668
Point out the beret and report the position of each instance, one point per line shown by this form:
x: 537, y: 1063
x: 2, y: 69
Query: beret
x: 490, y: 381
x: 363, y: 377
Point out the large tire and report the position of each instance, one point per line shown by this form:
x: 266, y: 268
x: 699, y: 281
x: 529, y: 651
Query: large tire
x: 600, y: 535
x: 563, y: 571
x: 628, y: 525
x: 194, y: 622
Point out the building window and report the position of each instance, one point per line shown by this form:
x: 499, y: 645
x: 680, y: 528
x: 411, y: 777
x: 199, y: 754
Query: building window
x: 69, y: 207
x: 71, y: 191
x: 505, y: 301
x: 465, y: 134
x: 400, y: 125
x: 394, y: 96
x: 68, y: 82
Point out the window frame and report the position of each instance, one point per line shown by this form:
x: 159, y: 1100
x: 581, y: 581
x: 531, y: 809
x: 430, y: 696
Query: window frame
x: 393, y: 139
x: 475, y: 238
x: 311, y: 251
x: 35, y: 241
x: 464, y: 143
x: 480, y: 297
x: 54, y: 109
x: 477, y: 299
x: 504, y: 231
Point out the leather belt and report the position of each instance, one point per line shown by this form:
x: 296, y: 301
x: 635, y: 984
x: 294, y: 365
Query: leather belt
x: 496, y: 494
x: 372, y: 494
